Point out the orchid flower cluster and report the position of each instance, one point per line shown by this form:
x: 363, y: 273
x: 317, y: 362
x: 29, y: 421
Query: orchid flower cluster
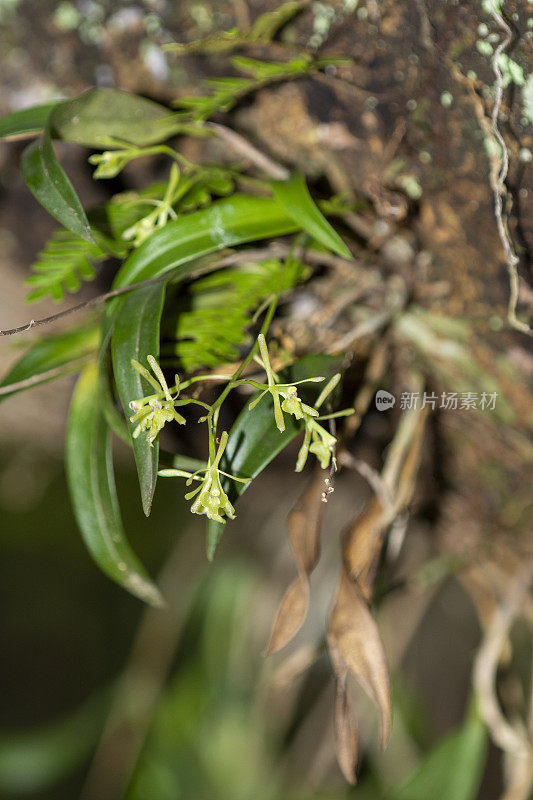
x: 151, y: 413
x: 211, y: 499
x: 316, y: 440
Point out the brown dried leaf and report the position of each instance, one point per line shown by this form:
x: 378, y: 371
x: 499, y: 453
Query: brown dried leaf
x: 355, y: 644
x: 354, y: 641
x: 304, y: 523
x: 345, y: 733
x: 407, y: 476
x: 362, y: 540
x: 291, y: 614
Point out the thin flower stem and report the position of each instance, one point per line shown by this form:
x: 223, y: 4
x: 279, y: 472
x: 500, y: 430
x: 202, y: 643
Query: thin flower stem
x: 344, y: 413
x: 240, y: 369
x: 198, y: 378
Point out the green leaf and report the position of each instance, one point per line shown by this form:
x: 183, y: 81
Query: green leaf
x: 64, y: 262
x: 99, y: 116
x: 136, y: 335
x: 226, y: 223
x: 106, y: 383
x: 28, y: 120
x: 92, y: 488
x: 48, y: 182
x: 294, y: 196
x: 50, y: 358
x: 453, y: 769
x: 254, y: 440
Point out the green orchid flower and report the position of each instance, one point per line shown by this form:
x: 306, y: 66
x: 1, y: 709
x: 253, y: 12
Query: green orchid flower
x: 281, y: 391
x: 159, y: 217
x: 323, y: 444
x: 153, y: 412
x: 211, y: 499
x: 318, y: 440
x: 111, y: 162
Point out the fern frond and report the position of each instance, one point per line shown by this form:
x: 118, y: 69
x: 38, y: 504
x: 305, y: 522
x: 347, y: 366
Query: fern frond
x: 212, y: 332
x: 64, y: 262
x: 262, y: 32
x: 226, y: 92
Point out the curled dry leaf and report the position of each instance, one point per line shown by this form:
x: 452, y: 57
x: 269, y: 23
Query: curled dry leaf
x: 345, y: 733
x: 355, y: 645
x: 362, y: 542
x: 354, y: 641
x: 290, y: 615
x: 304, y: 523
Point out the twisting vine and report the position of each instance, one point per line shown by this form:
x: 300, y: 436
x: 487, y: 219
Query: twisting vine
x: 499, y: 190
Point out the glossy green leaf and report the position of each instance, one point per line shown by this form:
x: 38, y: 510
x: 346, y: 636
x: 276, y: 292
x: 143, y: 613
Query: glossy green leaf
x: 98, y: 116
x: 91, y: 483
x: 453, y: 769
x: 136, y: 335
x: 254, y: 439
x: 27, y: 120
x: 50, y: 358
x: 48, y: 182
x: 106, y: 382
x: 294, y: 196
x: 227, y: 222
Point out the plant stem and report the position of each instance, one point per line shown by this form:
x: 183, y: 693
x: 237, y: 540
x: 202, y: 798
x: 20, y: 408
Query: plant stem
x: 240, y: 369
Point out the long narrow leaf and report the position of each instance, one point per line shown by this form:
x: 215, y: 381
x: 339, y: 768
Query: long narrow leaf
x: 47, y: 181
x: 227, y: 222
x: 453, y: 769
x: 136, y: 335
x: 294, y: 196
x: 114, y: 419
x: 50, y: 358
x: 27, y: 120
x: 92, y: 489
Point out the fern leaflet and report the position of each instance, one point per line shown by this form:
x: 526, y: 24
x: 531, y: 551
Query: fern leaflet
x: 214, y: 329
x: 64, y: 262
